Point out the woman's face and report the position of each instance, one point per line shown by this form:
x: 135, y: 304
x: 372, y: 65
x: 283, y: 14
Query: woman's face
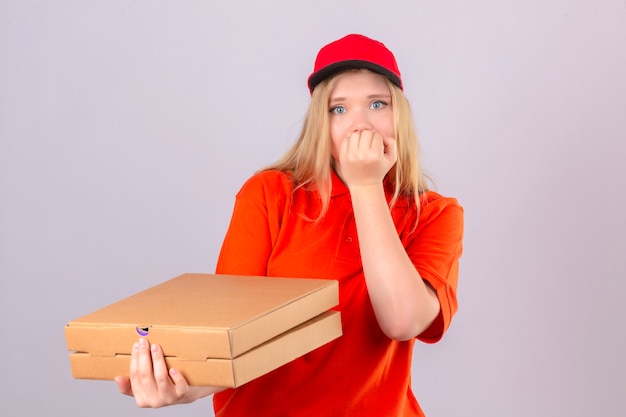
x: 359, y: 101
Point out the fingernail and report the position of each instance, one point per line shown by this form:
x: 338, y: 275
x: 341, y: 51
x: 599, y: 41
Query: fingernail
x: 142, y: 342
x: 154, y: 348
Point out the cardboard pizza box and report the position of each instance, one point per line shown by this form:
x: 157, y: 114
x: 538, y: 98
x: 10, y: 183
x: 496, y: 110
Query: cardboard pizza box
x: 221, y: 330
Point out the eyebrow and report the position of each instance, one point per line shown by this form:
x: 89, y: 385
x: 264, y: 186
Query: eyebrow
x: 370, y: 97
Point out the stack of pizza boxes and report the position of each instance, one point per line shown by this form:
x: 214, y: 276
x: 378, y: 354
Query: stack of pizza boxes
x: 217, y: 330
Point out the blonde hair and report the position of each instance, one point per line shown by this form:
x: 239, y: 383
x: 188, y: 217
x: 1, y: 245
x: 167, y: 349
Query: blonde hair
x: 309, y: 160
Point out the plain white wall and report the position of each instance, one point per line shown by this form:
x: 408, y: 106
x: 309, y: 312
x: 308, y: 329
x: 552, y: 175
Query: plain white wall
x: 126, y: 128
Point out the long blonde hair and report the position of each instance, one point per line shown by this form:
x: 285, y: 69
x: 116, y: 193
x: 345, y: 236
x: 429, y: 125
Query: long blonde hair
x: 309, y: 160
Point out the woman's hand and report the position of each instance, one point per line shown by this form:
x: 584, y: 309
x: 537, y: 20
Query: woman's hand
x: 365, y: 157
x: 152, y: 384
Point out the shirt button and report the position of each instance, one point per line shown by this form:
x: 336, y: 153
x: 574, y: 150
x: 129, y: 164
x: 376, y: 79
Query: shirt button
x: 349, y: 239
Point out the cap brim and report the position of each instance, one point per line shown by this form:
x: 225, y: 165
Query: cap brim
x: 332, y: 69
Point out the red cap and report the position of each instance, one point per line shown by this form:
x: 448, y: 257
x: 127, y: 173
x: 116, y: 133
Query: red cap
x: 354, y: 52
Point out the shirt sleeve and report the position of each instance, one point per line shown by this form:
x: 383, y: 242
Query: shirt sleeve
x: 253, y: 227
x: 435, y: 249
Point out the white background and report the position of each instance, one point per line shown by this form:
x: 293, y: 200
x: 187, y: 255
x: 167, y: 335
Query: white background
x: 127, y: 127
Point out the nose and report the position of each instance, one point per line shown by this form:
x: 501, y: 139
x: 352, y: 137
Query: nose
x: 360, y: 121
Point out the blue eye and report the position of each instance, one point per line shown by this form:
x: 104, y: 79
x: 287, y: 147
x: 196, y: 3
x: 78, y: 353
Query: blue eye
x: 377, y: 105
x: 338, y: 110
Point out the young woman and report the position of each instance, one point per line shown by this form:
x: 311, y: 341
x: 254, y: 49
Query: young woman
x: 348, y: 202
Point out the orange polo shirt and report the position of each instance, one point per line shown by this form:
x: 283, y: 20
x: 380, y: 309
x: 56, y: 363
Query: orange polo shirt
x: 362, y: 373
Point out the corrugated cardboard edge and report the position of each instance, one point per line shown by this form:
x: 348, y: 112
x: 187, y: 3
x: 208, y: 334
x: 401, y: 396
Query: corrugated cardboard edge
x: 282, y: 349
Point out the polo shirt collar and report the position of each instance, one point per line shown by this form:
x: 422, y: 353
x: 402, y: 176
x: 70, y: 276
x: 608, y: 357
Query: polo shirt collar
x: 338, y: 187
